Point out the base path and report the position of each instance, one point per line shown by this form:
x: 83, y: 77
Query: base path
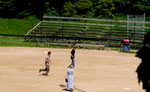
x: 95, y: 71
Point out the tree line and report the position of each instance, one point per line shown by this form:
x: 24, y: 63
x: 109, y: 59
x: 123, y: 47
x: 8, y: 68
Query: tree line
x: 73, y: 8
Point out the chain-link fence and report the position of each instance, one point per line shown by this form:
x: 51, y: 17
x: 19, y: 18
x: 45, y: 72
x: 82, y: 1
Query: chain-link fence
x: 137, y: 24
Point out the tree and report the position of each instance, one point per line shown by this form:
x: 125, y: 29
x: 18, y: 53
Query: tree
x: 7, y: 8
x: 134, y: 7
x: 104, y: 8
x: 38, y: 8
x: 49, y: 10
x: 69, y: 9
x: 84, y: 8
x: 80, y: 8
x: 76, y: 8
x: 58, y: 5
x: 22, y: 8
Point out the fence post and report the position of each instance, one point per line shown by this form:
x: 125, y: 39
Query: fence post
x: 37, y: 42
x: 0, y: 38
x: 25, y: 36
x: 84, y: 32
x: 62, y: 29
x: 10, y: 39
x: 128, y: 26
x: 143, y: 26
x: 110, y: 32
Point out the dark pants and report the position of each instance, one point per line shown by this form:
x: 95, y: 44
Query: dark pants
x: 73, y: 62
x: 47, y: 68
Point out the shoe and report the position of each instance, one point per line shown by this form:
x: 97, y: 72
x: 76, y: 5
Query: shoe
x: 67, y: 90
x: 45, y: 74
x: 39, y: 70
x: 71, y: 89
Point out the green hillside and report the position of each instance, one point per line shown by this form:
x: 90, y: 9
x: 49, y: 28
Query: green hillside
x: 16, y: 26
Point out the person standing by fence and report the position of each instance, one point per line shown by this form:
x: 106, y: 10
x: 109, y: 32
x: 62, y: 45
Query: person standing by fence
x: 47, y: 66
x: 126, y: 45
x: 73, y: 57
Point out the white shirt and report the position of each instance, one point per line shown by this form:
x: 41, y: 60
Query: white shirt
x: 47, y: 59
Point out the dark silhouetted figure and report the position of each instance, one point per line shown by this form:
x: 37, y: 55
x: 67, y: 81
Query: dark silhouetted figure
x: 143, y: 70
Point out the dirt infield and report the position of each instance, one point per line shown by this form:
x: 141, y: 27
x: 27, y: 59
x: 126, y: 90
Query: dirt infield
x: 96, y: 71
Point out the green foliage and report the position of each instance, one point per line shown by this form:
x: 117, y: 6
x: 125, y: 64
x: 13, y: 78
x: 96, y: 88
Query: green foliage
x: 104, y: 8
x: 69, y: 9
x: 81, y: 8
x: 73, y: 8
x: 84, y: 8
x: 7, y: 7
x: 50, y: 11
x: 134, y: 7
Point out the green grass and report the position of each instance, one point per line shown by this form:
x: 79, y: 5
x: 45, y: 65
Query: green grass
x: 15, y: 41
x: 20, y: 42
x: 8, y: 41
x: 16, y: 26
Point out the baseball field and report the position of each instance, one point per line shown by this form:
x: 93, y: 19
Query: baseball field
x: 95, y: 71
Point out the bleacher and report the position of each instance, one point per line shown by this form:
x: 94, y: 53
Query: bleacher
x: 82, y: 31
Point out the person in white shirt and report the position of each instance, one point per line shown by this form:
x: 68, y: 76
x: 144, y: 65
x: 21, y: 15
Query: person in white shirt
x: 69, y: 77
x: 47, y: 66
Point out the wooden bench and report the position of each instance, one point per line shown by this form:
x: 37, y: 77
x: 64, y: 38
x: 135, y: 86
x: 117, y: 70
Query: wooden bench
x: 101, y: 47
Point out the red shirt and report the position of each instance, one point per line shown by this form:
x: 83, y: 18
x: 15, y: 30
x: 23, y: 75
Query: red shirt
x: 126, y: 42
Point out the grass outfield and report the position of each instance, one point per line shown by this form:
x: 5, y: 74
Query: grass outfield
x: 16, y: 26
x: 15, y: 41
x: 20, y: 42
